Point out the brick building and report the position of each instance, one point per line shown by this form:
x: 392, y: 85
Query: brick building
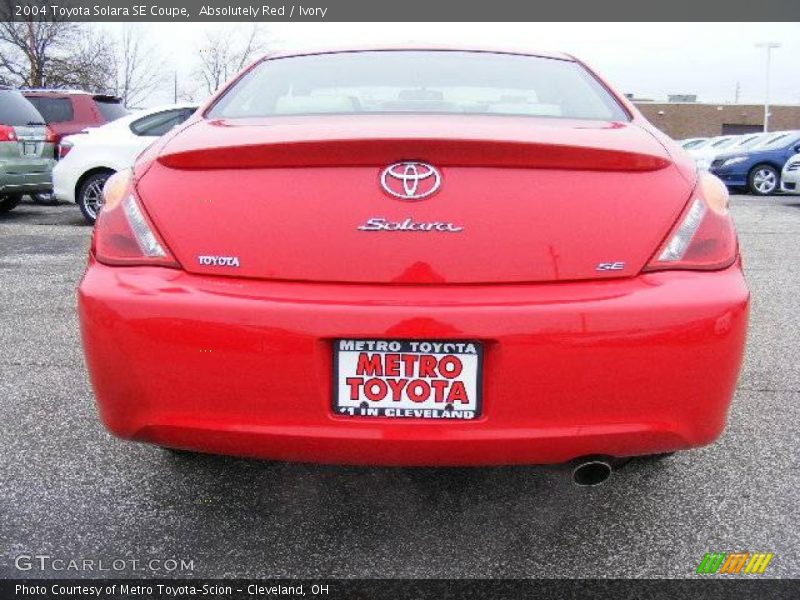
x: 682, y: 120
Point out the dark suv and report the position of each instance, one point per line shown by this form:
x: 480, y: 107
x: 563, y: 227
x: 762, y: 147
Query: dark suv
x: 69, y: 111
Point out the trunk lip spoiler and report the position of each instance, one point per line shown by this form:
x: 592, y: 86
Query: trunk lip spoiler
x: 378, y: 152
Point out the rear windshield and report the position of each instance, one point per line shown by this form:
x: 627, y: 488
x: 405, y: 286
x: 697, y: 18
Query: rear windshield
x: 54, y: 110
x: 110, y: 108
x: 439, y: 82
x: 16, y: 110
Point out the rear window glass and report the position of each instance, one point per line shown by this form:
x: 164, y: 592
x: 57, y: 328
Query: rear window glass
x: 110, y: 109
x: 160, y: 123
x: 54, y: 110
x: 439, y: 82
x: 16, y: 110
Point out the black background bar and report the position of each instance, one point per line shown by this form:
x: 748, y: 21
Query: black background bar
x: 406, y: 10
x: 739, y: 587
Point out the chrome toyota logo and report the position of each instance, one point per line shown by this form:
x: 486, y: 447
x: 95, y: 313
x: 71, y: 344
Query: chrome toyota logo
x: 409, y: 180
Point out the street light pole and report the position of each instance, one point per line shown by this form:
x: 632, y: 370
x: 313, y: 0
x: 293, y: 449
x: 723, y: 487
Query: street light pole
x: 768, y: 46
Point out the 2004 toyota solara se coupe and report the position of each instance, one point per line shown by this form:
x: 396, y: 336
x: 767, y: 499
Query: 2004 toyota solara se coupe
x: 415, y: 257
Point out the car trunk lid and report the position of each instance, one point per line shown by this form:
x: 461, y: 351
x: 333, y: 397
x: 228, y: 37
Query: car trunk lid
x: 521, y: 199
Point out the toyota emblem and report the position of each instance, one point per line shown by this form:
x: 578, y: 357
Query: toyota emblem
x: 410, y: 180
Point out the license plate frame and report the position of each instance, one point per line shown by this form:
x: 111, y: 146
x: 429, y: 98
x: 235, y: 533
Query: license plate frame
x: 398, y: 404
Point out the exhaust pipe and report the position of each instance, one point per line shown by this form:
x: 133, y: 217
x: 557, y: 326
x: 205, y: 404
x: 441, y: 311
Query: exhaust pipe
x: 591, y: 472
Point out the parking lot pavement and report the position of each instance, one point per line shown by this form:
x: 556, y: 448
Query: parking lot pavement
x: 71, y: 491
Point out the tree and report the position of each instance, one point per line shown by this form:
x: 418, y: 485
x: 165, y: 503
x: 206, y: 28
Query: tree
x: 27, y: 45
x: 89, y: 65
x: 48, y: 51
x: 224, y: 53
x: 138, y: 74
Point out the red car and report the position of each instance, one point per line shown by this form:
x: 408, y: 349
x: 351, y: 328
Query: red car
x: 416, y: 257
x: 67, y: 112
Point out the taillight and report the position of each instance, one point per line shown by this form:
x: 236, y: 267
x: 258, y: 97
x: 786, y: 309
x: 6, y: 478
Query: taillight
x: 49, y: 136
x: 7, y: 134
x: 704, y: 237
x: 123, y: 234
x: 63, y: 149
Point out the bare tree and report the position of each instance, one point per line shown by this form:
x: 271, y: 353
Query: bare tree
x: 138, y: 73
x: 26, y: 46
x: 90, y: 65
x: 50, y: 52
x: 225, y: 52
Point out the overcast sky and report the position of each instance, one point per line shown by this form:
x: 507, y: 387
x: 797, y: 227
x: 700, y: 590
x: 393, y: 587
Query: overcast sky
x: 648, y: 59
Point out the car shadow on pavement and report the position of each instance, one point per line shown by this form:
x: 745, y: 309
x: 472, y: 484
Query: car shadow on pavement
x: 31, y: 213
x: 342, y: 516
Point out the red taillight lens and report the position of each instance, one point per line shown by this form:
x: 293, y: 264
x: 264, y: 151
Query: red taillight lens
x: 49, y: 136
x: 7, y: 134
x: 704, y: 237
x: 123, y: 235
x: 63, y: 149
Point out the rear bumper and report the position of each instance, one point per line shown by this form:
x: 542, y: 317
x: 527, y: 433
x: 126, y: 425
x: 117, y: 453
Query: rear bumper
x: 64, y: 181
x: 617, y: 367
x: 22, y: 183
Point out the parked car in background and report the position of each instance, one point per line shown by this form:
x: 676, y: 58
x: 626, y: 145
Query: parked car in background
x: 750, y: 140
x: 26, y: 150
x: 705, y: 156
x: 758, y: 169
x: 70, y: 111
x: 790, y: 177
x: 88, y: 160
x: 707, y: 143
x: 691, y: 142
x: 714, y: 142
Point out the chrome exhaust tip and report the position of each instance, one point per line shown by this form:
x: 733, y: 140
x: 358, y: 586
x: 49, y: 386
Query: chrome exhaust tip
x: 591, y: 472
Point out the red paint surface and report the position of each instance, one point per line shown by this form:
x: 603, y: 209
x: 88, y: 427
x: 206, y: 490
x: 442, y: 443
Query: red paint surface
x: 84, y: 113
x: 577, y: 361
x: 618, y: 367
x: 538, y: 214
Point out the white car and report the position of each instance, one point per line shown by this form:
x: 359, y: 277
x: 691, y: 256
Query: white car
x: 90, y: 158
x: 790, y: 177
x: 705, y: 155
x: 702, y: 153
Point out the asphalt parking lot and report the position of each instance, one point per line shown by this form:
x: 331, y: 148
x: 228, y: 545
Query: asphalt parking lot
x: 70, y: 490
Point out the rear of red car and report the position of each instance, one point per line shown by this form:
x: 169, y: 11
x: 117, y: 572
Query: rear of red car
x: 69, y: 112
x: 415, y: 257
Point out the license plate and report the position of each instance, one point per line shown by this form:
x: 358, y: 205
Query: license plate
x: 29, y: 148
x: 407, y: 379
